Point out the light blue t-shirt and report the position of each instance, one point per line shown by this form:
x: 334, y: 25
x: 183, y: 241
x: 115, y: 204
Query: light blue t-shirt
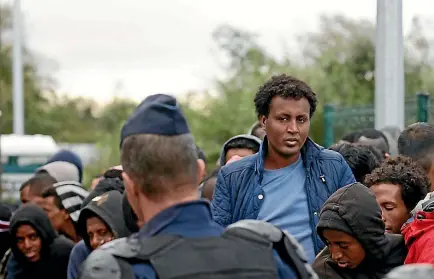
x: 285, y: 203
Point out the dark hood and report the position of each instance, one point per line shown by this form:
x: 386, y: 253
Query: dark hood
x: 107, y: 207
x: 129, y: 215
x: 105, y: 185
x: 38, y: 219
x: 225, y: 150
x: 353, y: 209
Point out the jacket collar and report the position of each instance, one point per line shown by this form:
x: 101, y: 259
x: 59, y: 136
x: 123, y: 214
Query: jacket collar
x: 309, y: 152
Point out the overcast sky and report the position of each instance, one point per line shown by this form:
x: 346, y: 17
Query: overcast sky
x: 165, y: 45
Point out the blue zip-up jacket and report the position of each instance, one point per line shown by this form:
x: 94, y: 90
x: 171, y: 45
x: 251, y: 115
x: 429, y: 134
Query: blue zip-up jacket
x: 238, y: 193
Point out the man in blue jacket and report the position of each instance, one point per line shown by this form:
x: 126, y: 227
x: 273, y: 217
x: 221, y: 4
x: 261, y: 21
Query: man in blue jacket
x: 289, y: 179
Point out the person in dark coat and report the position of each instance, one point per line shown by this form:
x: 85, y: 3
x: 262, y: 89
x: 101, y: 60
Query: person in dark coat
x: 37, y: 250
x: 357, y: 247
x: 101, y: 221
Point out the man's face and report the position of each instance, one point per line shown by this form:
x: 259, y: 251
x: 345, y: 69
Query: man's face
x: 98, y: 232
x: 393, y: 209
x: 287, y: 125
x: 57, y: 216
x: 29, y: 242
x: 346, y: 250
x: 24, y: 194
x: 242, y: 152
x: 27, y: 196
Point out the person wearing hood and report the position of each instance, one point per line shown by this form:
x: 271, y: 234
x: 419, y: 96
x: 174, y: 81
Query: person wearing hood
x: 239, y: 147
x: 350, y: 224
x: 37, y: 250
x: 101, y: 221
x: 234, y: 149
x: 81, y: 250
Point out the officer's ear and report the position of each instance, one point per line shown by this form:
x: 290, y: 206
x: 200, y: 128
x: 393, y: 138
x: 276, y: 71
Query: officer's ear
x: 200, y: 170
x: 129, y: 184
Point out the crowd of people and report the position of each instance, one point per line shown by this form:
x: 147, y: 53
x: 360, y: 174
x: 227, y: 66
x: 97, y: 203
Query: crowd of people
x: 275, y: 205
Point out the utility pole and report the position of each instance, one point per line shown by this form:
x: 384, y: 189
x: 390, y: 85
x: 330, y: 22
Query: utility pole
x: 389, y: 65
x: 17, y: 68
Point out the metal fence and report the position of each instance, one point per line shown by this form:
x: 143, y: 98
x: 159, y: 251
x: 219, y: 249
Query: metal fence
x: 339, y: 121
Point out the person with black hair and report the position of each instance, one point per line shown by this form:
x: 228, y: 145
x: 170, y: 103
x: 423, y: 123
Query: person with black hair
x: 62, y: 203
x: 399, y: 184
x: 350, y: 223
x: 239, y: 146
x: 289, y: 179
x: 351, y: 137
x: 31, y: 190
x: 360, y: 158
x: 37, y: 250
x: 376, y: 139
x: 417, y: 142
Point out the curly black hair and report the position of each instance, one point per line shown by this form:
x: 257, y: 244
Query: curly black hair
x: 360, y: 158
x: 405, y: 172
x: 286, y: 87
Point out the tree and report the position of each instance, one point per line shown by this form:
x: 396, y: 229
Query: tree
x: 338, y: 63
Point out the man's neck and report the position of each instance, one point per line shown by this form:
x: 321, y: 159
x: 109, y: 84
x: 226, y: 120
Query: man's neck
x: 68, y: 229
x: 275, y: 161
x: 154, y: 207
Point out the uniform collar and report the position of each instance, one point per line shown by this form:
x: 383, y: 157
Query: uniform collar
x: 196, y: 212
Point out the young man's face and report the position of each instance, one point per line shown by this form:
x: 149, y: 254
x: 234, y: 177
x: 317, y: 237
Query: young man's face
x: 287, y: 125
x: 27, y: 196
x: 393, y: 209
x: 346, y: 250
x: 57, y: 216
x: 29, y: 242
x: 242, y: 152
x: 98, y: 232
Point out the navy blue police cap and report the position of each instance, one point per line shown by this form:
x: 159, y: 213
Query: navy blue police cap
x: 158, y: 114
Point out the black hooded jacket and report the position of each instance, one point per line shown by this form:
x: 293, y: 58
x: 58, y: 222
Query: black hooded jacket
x: 107, y: 207
x: 54, y: 252
x: 105, y: 185
x: 354, y: 210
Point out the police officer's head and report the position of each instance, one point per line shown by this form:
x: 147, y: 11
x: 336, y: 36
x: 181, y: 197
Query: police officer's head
x: 159, y: 157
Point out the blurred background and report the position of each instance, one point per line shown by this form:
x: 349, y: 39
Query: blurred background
x: 87, y: 63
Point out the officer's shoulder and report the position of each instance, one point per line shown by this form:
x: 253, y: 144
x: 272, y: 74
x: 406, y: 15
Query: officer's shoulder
x: 261, y: 228
x: 100, y: 264
x: 103, y: 262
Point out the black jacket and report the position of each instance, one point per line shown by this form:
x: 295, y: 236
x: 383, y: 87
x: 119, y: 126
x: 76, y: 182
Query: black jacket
x: 107, y: 207
x: 354, y: 210
x: 55, y: 249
